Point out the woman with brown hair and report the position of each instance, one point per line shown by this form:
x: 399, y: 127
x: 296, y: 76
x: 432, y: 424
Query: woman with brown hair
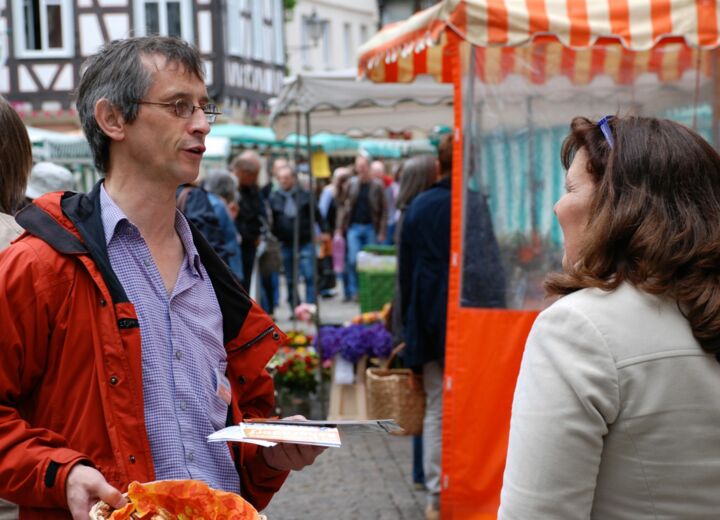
x: 616, y: 407
x: 15, y: 165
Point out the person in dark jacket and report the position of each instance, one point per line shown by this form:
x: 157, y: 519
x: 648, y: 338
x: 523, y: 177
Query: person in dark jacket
x: 252, y: 213
x: 415, y: 176
x: 287, y: 204
x: 424, y: 265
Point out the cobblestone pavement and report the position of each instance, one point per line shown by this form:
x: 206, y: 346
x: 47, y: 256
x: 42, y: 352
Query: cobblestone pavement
x: 368, y: 478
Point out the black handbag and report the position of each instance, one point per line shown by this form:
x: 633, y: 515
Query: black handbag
x: 269, y: 255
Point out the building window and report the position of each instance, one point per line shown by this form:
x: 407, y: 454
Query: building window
x: 164, y: 17
x: 305, y: 41
x: 279, y: 33
x: 349, y: 48
x: 327, y: 52
x: 268, y: 32
x: 43, y: 28
x: 240, y: 27
x: 257, y: 23
x: 363, y: 34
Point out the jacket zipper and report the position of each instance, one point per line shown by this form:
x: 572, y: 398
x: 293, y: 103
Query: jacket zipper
x: 252, y: 342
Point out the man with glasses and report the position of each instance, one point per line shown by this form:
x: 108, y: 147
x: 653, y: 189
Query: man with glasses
x: 125, y: 340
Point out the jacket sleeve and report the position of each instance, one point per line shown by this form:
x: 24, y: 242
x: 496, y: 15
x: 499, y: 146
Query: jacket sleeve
x: 258, y: 481
x: 34, y: 462
x: 255, y: 398
x: 566, y: 396
x: 322, y: 222
x: 406, y: 265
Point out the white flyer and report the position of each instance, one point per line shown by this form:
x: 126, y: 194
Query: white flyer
x: 344, y: 371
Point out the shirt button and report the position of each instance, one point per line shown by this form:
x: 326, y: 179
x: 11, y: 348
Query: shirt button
x: 113, y: 380
x: 275, y: 336
x: 132, y: 459
x: 183, y: 405
x: 178, y: 354
x: 147, y: 262
x: 190, y: 456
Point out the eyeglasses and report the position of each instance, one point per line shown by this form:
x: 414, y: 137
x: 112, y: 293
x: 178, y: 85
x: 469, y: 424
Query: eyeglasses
x: 604, y: 125
x: 185, y: 109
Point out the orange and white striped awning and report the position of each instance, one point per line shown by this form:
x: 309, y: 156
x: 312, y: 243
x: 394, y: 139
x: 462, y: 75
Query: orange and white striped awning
x: 572, y: 34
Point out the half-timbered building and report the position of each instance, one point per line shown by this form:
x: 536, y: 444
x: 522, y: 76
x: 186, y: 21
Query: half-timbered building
x: 44, y: 42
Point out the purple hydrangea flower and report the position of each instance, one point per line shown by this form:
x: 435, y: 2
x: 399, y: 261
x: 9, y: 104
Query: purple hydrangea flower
x: 354, y: 341
x: 379, y: 340
x: 329, y: 341
x: 353, y: 344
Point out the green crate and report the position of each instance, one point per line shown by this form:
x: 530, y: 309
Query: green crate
x: 380, y: 249
x: 375, y: 289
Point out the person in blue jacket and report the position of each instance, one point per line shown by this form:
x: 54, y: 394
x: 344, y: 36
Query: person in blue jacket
x: 222, y: 190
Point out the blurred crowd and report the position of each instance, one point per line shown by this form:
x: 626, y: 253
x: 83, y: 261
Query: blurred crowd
x: 267, y: 220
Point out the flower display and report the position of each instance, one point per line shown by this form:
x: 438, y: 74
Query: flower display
x: 370, y: 317
x: 355, y: 341
x: 294, y: 368
x: 298, y: 339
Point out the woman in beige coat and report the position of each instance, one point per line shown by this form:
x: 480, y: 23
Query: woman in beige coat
x: 15, y: 165
x: 616, y: 412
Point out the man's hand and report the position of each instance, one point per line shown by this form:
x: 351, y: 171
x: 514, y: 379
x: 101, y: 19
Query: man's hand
x: 84, y: 487
x: 286, y: 456
x: 381, y: 238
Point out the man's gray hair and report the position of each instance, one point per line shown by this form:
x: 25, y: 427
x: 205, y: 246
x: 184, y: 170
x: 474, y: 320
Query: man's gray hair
x: 116, y: 72
x: 248, y: 161
x: 223, y: 184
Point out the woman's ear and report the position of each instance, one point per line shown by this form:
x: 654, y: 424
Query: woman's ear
x: 110, y: 120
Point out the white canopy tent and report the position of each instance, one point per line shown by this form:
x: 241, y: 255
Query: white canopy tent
x: 342, y: 104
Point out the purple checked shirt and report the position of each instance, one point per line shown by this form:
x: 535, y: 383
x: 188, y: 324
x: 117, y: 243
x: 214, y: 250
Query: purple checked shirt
x: 182, y: 349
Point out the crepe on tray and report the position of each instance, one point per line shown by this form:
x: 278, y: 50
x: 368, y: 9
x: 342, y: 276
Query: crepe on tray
x: 177, y: 500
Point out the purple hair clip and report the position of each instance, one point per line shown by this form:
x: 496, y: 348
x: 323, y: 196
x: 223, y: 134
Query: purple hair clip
x: 604, y: 125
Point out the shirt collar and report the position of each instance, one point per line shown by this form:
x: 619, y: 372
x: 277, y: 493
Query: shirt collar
x: 192, y: 258
x: 113, y: 217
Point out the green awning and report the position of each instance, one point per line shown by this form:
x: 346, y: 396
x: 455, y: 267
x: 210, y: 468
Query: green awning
x: 327, y: 142
x: 396, y: 148
x: 245, y: 134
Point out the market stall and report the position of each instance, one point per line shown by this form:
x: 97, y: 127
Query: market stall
x: 69, y: 150
x: 520, y: 71
x: 342, y: 104
x: 321, y: 105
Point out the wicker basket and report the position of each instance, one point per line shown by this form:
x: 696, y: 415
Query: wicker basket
x: 396, y: 393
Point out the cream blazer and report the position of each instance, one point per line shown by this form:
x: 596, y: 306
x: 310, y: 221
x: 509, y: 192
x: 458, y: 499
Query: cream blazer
x: 616, y: 414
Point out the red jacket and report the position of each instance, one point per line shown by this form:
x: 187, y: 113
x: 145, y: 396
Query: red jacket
x: 70, y: 369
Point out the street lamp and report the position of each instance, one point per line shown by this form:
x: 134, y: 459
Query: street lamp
x: 314, y: 27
